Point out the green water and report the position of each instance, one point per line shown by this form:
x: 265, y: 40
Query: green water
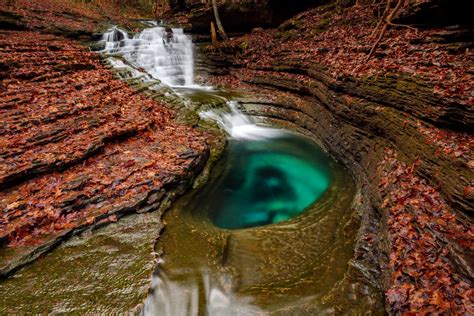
x: 266, y: 181
x: 271, y: 233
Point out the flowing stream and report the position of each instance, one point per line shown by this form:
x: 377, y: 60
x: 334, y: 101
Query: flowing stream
x: 271, y: 231
x: 270, y: 175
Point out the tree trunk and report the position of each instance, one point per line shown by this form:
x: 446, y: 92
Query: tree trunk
x: 213, y: 34
x: 218, y: 21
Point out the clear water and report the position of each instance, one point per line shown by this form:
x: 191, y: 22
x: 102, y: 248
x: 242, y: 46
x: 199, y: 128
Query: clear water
x: 300, y: 266
x: 270, y: 233
x: 267, y: 180
x: 272, y: 230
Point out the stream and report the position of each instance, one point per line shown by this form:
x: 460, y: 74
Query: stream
x: 271, y: 231
x: 253, y: 238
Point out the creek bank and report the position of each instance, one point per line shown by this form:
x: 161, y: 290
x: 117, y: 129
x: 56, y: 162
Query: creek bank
x: 82, y: 161
x: 407, y: 143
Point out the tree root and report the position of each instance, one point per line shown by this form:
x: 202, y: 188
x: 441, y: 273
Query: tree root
x: 402, y: 25
x: 382, y: 18
x: 384, y: 22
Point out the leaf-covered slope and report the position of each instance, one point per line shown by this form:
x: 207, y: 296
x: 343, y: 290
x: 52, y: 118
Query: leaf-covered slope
x: 79, y: 146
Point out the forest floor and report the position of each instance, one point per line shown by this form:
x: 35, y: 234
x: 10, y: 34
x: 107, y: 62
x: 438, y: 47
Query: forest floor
x: 420, y: 221
x: 341, y: 42
x: 77, y: 145
x: 61, y: 16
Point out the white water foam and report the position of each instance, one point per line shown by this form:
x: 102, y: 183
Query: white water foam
x: 165, y: 54
x: 185, y: 298
x: 154, y: 54
x: 238, y: 125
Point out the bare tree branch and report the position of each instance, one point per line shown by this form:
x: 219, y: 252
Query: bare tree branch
x: 218, y: 21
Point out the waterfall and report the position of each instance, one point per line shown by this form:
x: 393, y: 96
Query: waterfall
x: 114, y: 36
x: 238, y: 125
x: 165, y: 54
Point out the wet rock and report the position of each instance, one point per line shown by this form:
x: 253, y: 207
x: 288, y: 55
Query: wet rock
x: 11, y: 21
x: 356, y: 120
x: 102, y: 270
x: 88, y: 131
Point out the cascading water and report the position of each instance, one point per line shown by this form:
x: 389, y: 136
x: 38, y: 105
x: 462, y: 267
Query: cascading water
x: 163, y: 53
x: 251, y: 240
x: 239, y: 245
x: 113, y: 36
x: 238, y: 125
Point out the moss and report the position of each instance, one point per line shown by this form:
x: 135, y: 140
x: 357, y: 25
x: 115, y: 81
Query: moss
x: 115, y: 259
x: 323, y: 25
x: 244, y: 46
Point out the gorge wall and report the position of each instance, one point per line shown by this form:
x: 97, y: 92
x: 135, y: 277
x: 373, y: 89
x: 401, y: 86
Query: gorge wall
x: 240, y: 15
x: 243, y: 15
x: 401, y: 122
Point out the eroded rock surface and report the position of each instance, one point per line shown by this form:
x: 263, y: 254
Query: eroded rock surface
x: 104, y: 270
x: 401, y: 121
x: 78, y: 146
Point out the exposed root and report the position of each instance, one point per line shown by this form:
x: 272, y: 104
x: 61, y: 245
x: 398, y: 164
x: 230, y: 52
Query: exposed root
x: 384, y: 22
x: 402, y: 25
x: 382, y: 19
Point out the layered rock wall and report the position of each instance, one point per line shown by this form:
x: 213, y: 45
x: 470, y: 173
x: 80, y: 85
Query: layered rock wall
x: 240, y: 15
x: 408, y: 145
